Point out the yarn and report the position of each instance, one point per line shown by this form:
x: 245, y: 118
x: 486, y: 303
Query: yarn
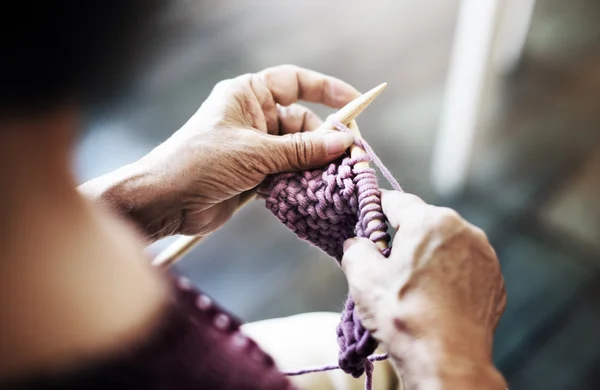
x: 326, y: 207
x: 372, y: 358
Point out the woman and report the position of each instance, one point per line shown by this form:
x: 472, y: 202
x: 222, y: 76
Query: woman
x: 80, y: 307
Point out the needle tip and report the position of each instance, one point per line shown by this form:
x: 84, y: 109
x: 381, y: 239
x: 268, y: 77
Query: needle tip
x: 358, y: 105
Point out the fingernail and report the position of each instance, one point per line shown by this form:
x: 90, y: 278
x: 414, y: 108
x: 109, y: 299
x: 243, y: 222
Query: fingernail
x: 336, y: 143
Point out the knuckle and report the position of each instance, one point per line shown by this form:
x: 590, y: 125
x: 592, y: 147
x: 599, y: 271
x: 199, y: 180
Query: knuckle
x: 246, y: 77
x: 241, y: 82
x: 396, y: 200
x: 232, y: 84
x: 302, y: 111
x: 410, y: 198
x: 302, y: 152
x: 479, y: 234
x: 307, y: 116
x: 270, y: 73
x: 502, y: 299
x: 447, y: 218
x: 367, y: 316
x: 393, y: 197
x: 222, y: 85
x: 355, y: 251
x: 261, y: 156
x: 295, y: 110
x: 284, y: 68
x: 449, y: 214
x: 502, y: 290
x: 401, y: 197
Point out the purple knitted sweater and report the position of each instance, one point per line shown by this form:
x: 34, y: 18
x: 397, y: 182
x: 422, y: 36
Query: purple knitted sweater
x: 196, y: 346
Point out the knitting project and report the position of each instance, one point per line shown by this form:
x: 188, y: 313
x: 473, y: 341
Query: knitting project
x: 326, y: 207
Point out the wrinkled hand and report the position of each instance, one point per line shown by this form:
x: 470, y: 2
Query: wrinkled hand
x: 440, y: 294
x: 248, y: 128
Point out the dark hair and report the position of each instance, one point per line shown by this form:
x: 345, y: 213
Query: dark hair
x: 57, y: 51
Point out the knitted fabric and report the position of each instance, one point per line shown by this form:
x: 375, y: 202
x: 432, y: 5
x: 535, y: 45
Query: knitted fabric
x: 326, y: 207
x: 194, y: 344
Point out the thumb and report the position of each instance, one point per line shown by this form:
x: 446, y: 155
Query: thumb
x: 360, y: 260
x: 301, y: 151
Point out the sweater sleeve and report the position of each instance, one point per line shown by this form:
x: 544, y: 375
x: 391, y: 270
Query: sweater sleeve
x: 195, y: 345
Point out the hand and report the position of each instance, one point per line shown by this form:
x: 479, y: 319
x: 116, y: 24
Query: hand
x: 248, y: 128
x: 435, y: 302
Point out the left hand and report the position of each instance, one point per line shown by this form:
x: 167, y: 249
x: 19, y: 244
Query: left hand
x: 248, y: 128
x: 435, y: 302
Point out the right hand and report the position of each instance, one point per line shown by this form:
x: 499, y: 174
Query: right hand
x: 248, y: 128
x: 439, y: 295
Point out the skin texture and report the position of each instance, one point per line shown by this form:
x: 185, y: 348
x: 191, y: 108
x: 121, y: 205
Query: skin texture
x: 435, y: 302
x: 248, y: 128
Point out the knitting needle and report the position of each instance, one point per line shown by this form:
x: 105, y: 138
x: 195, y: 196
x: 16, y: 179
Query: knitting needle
x: 357, y: 151
x: 346, y: 114
x: 353, y: 109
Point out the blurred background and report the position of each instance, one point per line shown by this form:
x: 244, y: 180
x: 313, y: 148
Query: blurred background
x: 492, y: 108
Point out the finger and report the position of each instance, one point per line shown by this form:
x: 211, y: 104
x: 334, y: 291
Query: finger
x: 297, y: 118
x: 360, y: 258
x: 396, y: 205
x: 289, y: 83
x: 301, y: 151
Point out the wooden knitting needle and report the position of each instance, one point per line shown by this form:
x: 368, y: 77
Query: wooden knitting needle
x: 346, y: 114
x: 353, y: 109
x: 357, y: 151
x: 184, y: 244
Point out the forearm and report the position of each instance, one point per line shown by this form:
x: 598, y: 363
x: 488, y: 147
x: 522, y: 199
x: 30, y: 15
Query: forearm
x: 447, y: 373
x: 134, y: 193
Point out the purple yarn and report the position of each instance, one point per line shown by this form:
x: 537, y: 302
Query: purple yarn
x: 362, y: 143
x: 326, y: 207
x: 356, y: 343
x: 372, y: 358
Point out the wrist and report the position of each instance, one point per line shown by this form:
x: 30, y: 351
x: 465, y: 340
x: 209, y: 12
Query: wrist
x: 455, y: 357
x: 461, y: 369
x: 482, y: 376
x: 136, y: 193
x: 432, y: 367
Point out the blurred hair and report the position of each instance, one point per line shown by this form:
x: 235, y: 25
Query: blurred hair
x: 71, y: 51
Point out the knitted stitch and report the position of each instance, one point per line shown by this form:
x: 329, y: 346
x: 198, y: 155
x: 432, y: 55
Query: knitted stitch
x: 326, y: 207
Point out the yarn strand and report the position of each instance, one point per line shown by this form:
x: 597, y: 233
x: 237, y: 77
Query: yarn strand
x: 331, y: 367
x: 326, y: 207
x: 362, y: 143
